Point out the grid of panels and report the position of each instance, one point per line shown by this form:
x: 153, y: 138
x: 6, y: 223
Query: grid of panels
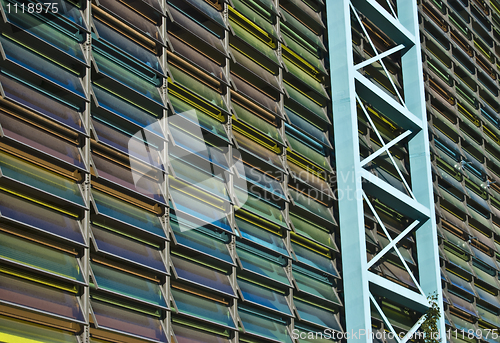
x: 460, y: 43
x: 166, y: 172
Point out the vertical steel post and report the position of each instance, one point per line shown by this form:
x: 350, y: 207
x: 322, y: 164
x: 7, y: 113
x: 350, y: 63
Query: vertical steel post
x: 354, y: 182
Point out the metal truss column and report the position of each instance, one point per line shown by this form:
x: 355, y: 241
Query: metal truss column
x: 353, y: 91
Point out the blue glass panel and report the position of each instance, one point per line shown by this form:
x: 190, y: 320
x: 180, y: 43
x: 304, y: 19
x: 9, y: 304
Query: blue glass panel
x: 41, y: 103
x: 460, y: 283
x: 198, y: 117
x: 263, y: 326
x: 201, y: 175
x: 42, y: 67
x: 261, y: 236
x: 307, y: 127
x: 126, y: 213
x: 264, y: 297
x: 488, y: 297
x: 128, y: 249
x: 127, y: 45
x: 196, y: 146
x: 128, y: 285
x: 202, y: 308
x: 316, y: 315
x: 199, y: 209
x: 208, y: 10
x: 201, y: 242
x: 111, y: 67
x: 129, y: 145
x: 202, y: 275
x: 127, y: 111
x: 40, y: 217
x: 314, y: 260
x: 262, y: 266
x: 315, y: 287
x: 70, y: 12
x: 260, y: 179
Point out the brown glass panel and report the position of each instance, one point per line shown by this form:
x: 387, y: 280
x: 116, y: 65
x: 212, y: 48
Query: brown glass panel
x: 185, y: 334
x: 39, y: 297
x: 127, y: 321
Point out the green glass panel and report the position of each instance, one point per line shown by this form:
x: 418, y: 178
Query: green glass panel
x: 200, y: 242
x: 263, y: 326
x: 312, y: 231
x: 127, y: 213
x: 462, y: 324
x: 304, y: 77
x: 261, y: 236
x: 305, y: 102
x: 197, y: 117
x: 40, y: 297
x: 316, y: 315
x: 397, y: 317
x: 262, y: 266
x: 187, y: 334
x: 197, y: 87
x: 255, y: 18
x: 315, y: 287
x: 209, y: 182
x: 41, y: 66
x: 486, y: 277
x: 13, y: 330
x: 264, y: 296
x: 254, y: 42
x: 202, y: 308
x: 122, y: 74
x: 121, y: 319
x: 457, y: 241
x: 48, y: 33
x: 488, y: 317
x: 452, y: 199
x: 306, y: 55
x: 478, y: 217
x: 208, y: 10
x: 262, y: 125
x: 312, y: 206
x: 39, y: 256
x: 187, y: 203
x: 128, y: 285
x: 260, y: 207
x: 264, y: 5
x: 313, y: 40
x: 308, y: 153
x: 454, y: 259
x: 40, y: 178
x: 313, y: 259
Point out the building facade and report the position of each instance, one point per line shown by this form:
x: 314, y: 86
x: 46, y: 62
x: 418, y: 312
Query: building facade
x: 248, y: 170
x: 166, y: 172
